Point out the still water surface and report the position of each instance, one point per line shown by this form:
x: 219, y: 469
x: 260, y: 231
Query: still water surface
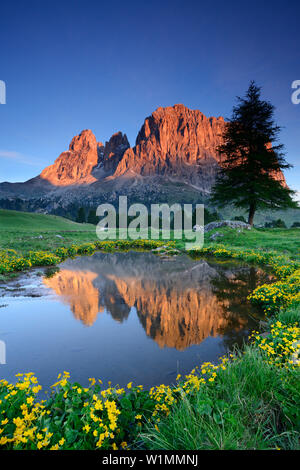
x: 126, y: 316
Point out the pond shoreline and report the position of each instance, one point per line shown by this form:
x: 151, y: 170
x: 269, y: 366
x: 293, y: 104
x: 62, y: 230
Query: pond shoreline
x: 262, y: 364
x: 192, y: 311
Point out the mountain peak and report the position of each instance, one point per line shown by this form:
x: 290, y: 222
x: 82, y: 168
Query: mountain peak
x: 75, y: 165
x: 113, y: 151
x: 179, y: 143
x: 86, y: 139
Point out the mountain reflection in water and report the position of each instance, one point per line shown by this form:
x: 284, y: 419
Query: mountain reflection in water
x: 179, y: 302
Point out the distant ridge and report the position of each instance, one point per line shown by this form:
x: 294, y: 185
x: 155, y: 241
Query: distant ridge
x: 175, y: 158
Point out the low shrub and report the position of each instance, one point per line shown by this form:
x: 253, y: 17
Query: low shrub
x: 272, y: 297
x: 281, y: 345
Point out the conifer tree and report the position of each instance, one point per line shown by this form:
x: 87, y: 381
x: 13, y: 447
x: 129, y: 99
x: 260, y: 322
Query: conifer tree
x: 81, y: 215
x: 252, y: 159
x: 92, y: 217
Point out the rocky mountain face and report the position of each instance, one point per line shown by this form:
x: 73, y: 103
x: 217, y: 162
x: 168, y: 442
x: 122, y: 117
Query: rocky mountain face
x: 175, y: 158
x: 76, y: 164
x: 179, y: 143
x: 112, y: 152
x: 85, y: 156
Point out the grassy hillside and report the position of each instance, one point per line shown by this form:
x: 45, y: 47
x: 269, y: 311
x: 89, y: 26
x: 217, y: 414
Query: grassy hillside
x: 19, y: 221
x: 21, y: 231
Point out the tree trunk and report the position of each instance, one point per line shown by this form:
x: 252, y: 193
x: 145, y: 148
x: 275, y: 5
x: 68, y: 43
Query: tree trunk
x: 251, y: 214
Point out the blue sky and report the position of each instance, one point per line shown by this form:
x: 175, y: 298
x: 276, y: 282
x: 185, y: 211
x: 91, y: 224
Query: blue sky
x: 105, y: 66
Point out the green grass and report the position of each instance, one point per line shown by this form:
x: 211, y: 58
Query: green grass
x: 252, y: 405
x: 20, y: 231
x: 281, y: 240
x: 284, y: 241
x: 15, y: 220
x: 289, y: 316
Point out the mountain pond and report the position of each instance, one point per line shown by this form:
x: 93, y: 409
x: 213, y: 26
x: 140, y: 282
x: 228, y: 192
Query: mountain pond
x: 125, y: 317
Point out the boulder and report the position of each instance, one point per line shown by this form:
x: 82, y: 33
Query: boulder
x: 227, y: 223
x: 216, y: 235
x: 198, y: 228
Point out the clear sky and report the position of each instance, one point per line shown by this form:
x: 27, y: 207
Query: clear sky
x: 106, y: 65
